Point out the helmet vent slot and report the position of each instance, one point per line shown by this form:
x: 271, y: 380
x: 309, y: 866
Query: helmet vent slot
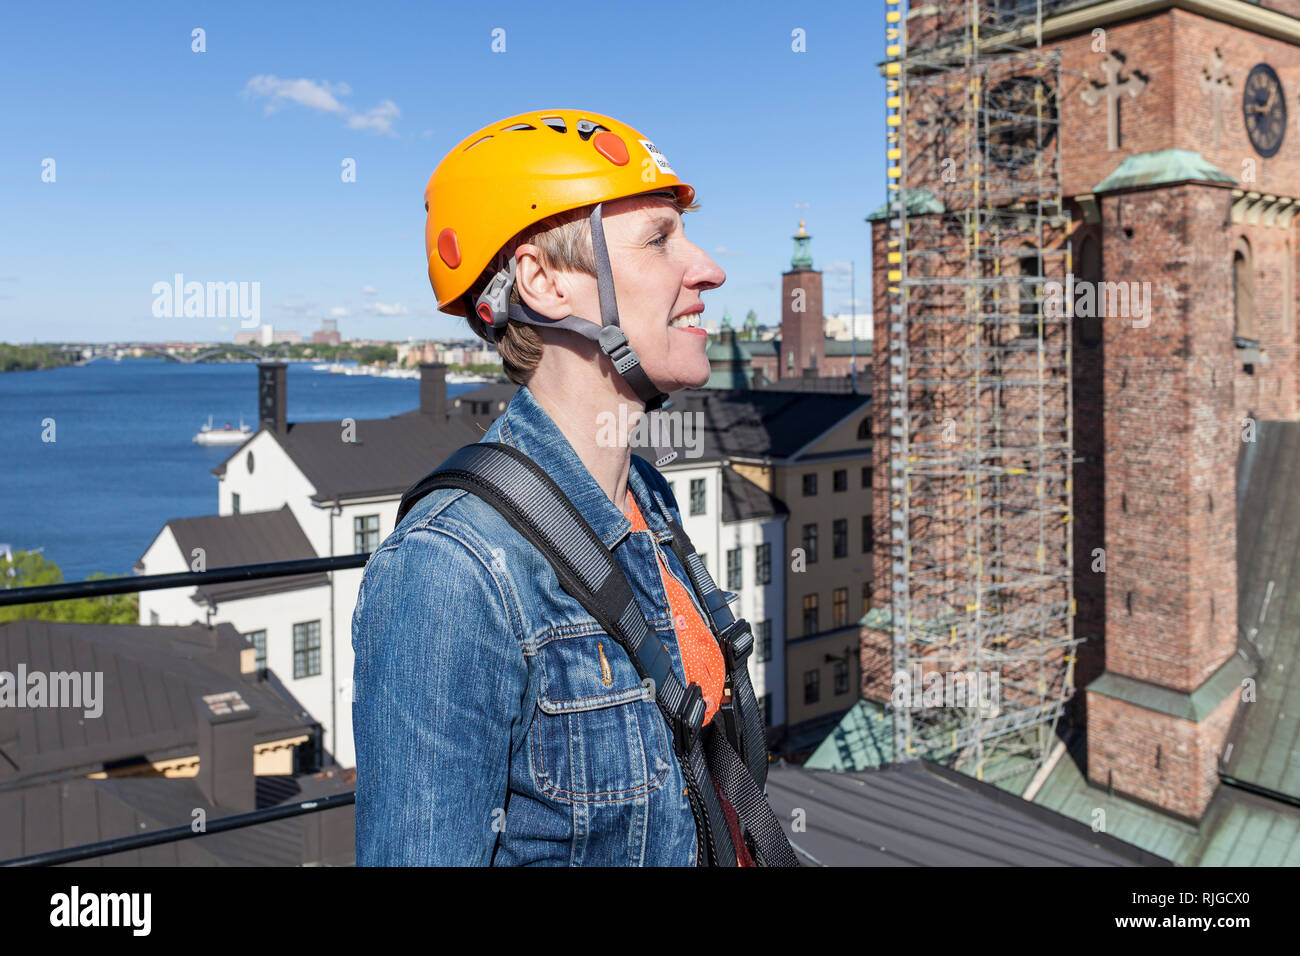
x: 482, y: 139
x: 517, y: 126
x: 586, y: 128
x: 556, y: 123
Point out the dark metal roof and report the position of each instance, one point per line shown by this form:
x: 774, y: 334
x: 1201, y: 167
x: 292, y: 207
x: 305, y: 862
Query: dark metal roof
x: 749, y: 423
x: 246, y: 538
x: 54, y: 816
x: 1265, y: 739
x: 922, y: 814
x: 387, y: 457
x: 391, y: 454
x: 151, y: 677
x: 742, y: 499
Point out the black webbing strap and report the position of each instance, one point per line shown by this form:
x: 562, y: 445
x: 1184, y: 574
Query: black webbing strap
x: 735, y: 638
x: 771, y: 845
x: 537, y: 508
x: 738, y: 760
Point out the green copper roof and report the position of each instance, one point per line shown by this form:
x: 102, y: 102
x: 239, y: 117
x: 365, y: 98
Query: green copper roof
x: 862, y: 740
x: 1195, y: 706
x: 802, y: 258
x: 1238, y: 829
x: 919, y: 202
x: 1163, y: 166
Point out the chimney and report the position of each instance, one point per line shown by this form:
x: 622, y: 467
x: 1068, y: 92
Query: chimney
x: 225, y: 775
x: 272, y: 397
x: 433, y: 390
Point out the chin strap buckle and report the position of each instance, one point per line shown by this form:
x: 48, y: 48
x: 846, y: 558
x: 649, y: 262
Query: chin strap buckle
x: 613, y: 342
x: 493, y: 303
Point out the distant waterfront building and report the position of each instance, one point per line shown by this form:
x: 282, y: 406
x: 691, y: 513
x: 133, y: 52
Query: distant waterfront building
x: 327, y: 334
x: 266, y: 335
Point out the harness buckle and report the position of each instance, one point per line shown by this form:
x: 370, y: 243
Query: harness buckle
x: 737, y: 642
x: 690, y: 718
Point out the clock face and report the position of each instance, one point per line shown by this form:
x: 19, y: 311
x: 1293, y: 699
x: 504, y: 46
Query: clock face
x: 1264, y: 109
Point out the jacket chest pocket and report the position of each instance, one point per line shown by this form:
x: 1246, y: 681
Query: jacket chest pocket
x: 596, y: 738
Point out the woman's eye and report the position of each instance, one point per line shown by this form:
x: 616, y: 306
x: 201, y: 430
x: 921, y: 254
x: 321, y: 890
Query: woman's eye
x: 661, y: 239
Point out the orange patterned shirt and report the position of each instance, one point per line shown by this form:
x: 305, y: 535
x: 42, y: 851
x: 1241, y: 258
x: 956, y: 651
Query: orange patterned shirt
x: 701, y: 657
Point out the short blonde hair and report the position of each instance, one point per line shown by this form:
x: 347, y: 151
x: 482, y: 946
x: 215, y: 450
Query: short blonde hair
x: 563, y: 242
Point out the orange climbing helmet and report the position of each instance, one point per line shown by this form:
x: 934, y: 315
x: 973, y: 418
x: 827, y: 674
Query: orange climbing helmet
x: 519, y: 170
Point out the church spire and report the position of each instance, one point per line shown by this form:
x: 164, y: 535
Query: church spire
x: 802, y: 259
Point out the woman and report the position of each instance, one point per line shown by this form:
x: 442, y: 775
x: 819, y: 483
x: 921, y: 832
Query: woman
x: 495, y: 721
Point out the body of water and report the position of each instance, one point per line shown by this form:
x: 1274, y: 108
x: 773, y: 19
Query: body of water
x: 123, y: 462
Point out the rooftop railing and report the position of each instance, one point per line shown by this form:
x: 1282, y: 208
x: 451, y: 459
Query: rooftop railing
x: 155, y: 582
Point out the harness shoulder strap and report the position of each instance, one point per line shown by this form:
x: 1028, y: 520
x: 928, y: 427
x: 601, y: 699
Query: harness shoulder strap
x: 740, y: 711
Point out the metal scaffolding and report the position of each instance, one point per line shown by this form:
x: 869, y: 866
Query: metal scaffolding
x: 978, y: 389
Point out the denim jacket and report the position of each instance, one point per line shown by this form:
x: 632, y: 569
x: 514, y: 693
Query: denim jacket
x: 495, y: 721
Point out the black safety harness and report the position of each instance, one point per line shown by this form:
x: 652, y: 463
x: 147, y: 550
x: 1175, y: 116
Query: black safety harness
x: 731, y: 750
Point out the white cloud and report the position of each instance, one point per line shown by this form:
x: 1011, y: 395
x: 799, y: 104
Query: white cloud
x: 322, y: 96
x: 368, y: 290
x: 377, y: 119
x: 316, y: 95
x: 381, y: 308
x: 339, y: 312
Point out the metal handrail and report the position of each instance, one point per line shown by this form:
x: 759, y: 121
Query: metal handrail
x: 153, y: 582
x: 137, y: 841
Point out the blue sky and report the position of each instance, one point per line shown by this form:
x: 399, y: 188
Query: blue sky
x: 168, y: 161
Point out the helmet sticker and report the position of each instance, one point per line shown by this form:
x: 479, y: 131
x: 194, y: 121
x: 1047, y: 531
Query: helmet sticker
x: 660, y: 160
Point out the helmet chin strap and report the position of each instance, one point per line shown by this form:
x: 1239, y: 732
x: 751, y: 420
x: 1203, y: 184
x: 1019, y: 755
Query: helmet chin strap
x: 608, y: 335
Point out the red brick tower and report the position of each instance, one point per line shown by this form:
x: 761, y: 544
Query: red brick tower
x: 803, y: 339
x: 1183, y: 180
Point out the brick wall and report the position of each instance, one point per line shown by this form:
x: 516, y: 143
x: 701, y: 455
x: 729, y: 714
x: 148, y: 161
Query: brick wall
x: 1172, y: 50
x: 1171, y: 441
x: 1122, y: 753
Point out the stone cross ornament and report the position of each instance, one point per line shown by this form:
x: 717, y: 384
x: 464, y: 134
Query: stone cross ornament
x: 1219, y: 89
x: 1111, y: 91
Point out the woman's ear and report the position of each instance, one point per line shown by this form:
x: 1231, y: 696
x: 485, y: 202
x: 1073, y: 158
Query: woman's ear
x: 542, y: 289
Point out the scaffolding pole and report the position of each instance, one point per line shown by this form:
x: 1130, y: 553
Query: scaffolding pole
x: 979, y: 398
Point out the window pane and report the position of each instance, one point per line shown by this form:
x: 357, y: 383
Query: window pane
x: 763, y: 564
x: 697, y: 496
x: 810, y: 542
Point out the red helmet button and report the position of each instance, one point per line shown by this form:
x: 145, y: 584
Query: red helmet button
x: 449, y: 247
x: 611, y: 147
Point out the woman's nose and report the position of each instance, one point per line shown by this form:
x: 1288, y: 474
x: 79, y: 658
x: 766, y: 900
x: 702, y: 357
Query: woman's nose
x: 706, y: 273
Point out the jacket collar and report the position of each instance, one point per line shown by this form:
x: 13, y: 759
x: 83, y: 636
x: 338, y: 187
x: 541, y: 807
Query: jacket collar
x: 525, y: 425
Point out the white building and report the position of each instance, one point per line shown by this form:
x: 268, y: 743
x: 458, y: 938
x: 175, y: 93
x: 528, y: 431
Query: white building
x: 306, y: 489
x: 738, y: 530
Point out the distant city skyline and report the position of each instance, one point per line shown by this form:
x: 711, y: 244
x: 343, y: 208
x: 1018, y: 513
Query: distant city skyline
x: 292, y: 151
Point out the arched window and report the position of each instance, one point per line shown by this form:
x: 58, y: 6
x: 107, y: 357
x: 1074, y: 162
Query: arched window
x: 1086, y: 318
x: 1243, y: 291
x: 1288, y: 291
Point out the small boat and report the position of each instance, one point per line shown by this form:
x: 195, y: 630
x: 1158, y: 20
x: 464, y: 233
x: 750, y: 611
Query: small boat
x: 223, y: 436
